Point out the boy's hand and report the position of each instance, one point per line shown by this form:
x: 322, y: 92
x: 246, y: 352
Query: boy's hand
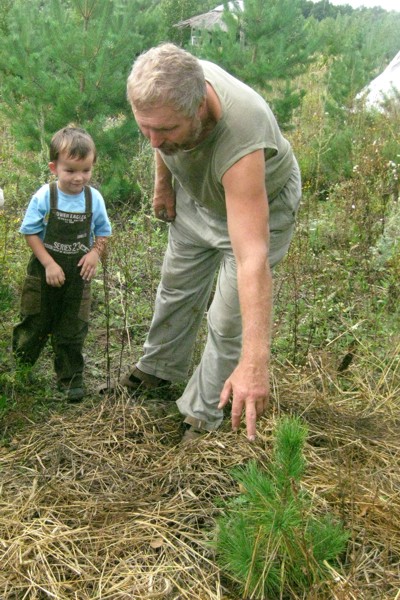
x: 89, y: 265
x: 54, y: 275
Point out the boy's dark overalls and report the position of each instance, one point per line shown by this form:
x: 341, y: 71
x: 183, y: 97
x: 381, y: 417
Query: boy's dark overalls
x: 61, y: 312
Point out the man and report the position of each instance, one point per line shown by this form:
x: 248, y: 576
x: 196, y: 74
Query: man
x: 229, y: 185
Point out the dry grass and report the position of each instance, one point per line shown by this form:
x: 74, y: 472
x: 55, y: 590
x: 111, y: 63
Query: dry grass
x: 101, y: 502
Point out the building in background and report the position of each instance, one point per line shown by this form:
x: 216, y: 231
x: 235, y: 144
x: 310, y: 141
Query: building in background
x: 210, y: 21
x: 383, y: 89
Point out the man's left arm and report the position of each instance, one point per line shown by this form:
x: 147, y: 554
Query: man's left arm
x: 247, y: 212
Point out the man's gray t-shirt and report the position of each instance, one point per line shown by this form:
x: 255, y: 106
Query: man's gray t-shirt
x: 247, y: 124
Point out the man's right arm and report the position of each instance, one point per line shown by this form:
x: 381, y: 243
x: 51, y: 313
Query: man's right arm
x: 164, y: 194
x: 54, y: 273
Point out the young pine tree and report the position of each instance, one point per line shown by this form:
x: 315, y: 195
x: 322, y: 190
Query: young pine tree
x: 269, y: 541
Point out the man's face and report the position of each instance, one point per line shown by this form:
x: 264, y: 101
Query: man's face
x: 168, y: 130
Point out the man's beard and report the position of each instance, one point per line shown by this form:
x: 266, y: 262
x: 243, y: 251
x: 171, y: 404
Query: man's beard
x: 193, y: 138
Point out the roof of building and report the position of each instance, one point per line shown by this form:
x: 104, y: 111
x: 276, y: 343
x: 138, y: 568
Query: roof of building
x: 212, y: 18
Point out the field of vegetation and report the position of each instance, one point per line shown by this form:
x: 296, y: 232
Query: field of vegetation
x: 98, y: 501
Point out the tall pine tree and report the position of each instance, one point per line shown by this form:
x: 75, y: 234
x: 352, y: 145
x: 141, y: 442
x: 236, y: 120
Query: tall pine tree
x: 267, y: 46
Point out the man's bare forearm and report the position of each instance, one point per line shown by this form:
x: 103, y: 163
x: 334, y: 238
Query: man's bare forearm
x: 255, y: 294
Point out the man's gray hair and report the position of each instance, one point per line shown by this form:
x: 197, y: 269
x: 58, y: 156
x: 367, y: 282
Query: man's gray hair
x: 167, y: 76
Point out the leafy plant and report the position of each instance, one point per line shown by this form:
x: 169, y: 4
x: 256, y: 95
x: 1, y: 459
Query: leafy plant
x: 270, y: 539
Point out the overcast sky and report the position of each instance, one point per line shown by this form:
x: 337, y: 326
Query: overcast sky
x: 386, y: 4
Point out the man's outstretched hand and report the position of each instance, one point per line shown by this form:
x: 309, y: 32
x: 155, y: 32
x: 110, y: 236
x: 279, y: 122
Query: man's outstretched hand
x: 248, y: 388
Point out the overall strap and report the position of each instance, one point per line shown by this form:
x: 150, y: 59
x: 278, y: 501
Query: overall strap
x: 88, y: 199
x: 53, y: 195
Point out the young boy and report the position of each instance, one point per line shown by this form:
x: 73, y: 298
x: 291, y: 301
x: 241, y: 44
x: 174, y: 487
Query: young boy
x: 67, y: 228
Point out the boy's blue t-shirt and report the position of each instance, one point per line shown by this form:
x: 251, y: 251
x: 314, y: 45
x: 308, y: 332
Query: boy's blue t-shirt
x: 37, y: 214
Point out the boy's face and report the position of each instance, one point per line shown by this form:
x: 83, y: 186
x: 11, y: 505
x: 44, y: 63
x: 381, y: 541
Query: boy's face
x: 72, y: 173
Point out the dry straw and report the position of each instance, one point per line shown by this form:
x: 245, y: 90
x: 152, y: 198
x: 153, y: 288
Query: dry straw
x: 101, y: 502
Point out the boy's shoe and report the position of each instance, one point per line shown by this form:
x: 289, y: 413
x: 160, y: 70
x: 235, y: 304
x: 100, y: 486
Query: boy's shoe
x: 72, y: 394
x: 75, y: 394
x: 134, y: 380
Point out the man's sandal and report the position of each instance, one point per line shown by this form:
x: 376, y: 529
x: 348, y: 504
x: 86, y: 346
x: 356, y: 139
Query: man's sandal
x: 195, y: 429
x: 134, y: 380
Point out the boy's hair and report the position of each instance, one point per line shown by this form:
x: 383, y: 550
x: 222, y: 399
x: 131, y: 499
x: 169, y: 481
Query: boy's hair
x: 167, y: 76
x: 72, y: 141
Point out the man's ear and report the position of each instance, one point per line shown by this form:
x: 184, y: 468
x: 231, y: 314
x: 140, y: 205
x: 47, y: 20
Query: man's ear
x: 53, y: 167
x: 202, y: 106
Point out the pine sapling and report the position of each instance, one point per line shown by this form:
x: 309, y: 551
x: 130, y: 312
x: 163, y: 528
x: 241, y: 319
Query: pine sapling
x: 269, y: 541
